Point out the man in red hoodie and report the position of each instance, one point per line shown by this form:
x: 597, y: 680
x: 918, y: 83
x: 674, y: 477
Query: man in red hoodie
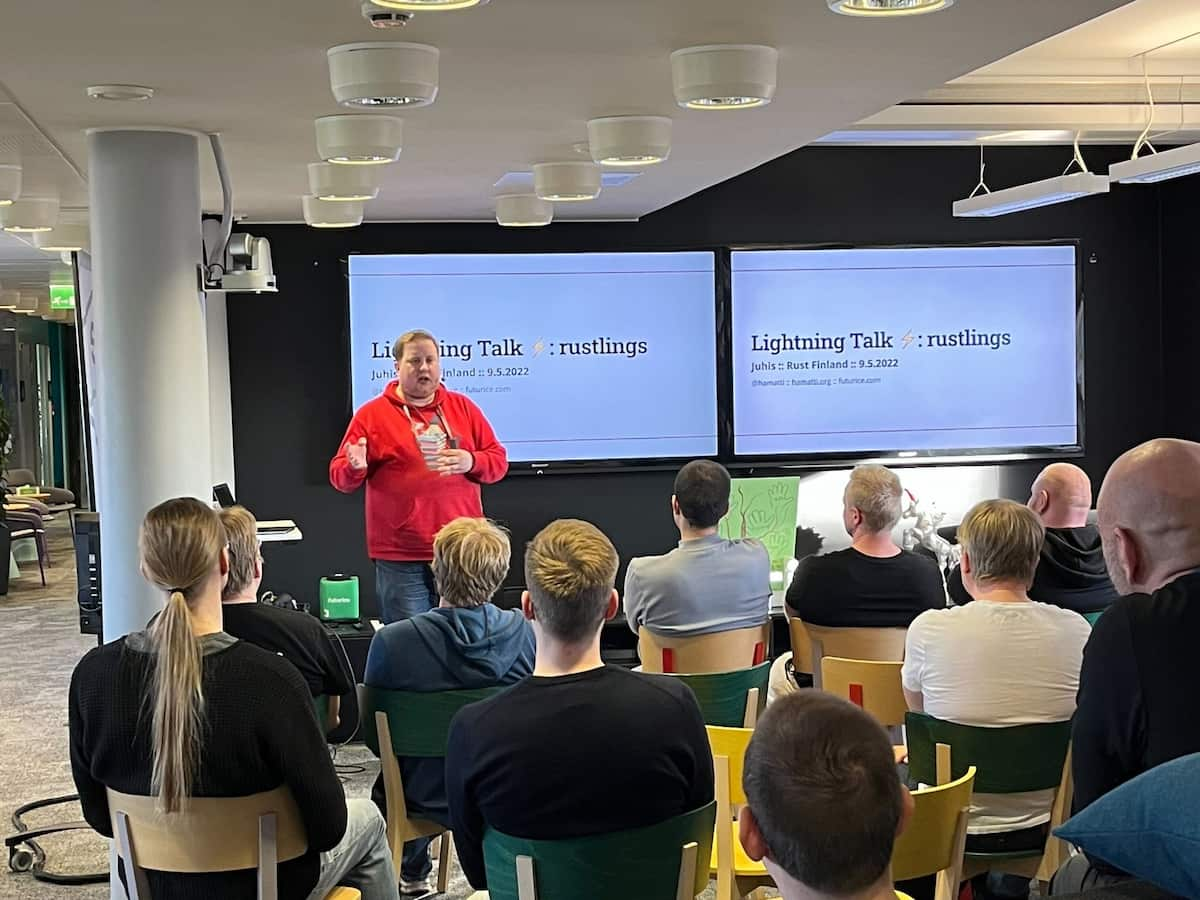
x: 423, y: 451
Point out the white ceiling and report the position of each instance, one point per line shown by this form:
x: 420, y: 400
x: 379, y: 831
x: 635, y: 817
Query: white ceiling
x: 519, y: 79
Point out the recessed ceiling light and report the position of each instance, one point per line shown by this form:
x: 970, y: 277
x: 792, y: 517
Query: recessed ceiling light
x: 566, y: 182
x: 332, y: 213
x: 120, y: 92
x: 523, y: 211
x: 10, y: 183
x: 64, y: 238
x: 880, y: 8
x: 383, y: 73
x: 724, y: 76
x: 359, y: 140
x: 329, y: 182
x: 30, y: 215
x: 427, y: 5
x: 629, y: 140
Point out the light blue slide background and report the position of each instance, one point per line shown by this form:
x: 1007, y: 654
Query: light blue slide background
x: 658, y: 404
x: 946, y: 398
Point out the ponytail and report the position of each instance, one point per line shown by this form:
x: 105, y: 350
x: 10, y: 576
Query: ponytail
x: 178, y: 704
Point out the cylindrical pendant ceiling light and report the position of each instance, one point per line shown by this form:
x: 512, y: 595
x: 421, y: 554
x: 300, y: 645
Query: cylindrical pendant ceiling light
x: 724, y: 76
x: 359, y: 140
x: 64, y: 238
x: 564, y: 182
x: 523, y: 211
x: 30, y: 215
x: 881, y: 8
x: 629, y: 140
x: 332, y: 213
x: 383, y: 73
x: 329, y: 182
x: 10, y: 183
x: 428, y: 5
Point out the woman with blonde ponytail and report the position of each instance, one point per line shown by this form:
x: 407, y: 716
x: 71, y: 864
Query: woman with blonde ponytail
x: 182, y: 709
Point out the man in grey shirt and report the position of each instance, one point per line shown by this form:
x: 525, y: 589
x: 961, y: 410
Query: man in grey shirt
x: 707, y: 583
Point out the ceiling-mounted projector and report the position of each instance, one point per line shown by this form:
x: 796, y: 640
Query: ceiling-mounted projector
x: 248, y: 266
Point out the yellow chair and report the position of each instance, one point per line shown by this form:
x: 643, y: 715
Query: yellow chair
x: 812, y: 643
x: 724, y: 651
x: 873, y: 686
x: 736, y: 873
x: 213, y: 834
x: 936, y: 837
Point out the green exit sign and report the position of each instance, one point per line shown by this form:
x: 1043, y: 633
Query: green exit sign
x: 62, y: 296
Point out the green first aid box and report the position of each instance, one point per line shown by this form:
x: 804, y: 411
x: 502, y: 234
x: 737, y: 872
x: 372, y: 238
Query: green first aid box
x: 339, y: 598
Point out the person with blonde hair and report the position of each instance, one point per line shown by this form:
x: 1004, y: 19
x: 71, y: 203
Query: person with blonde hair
x: 578, y: 748
x: 465, y: 643
x: 184, y: 709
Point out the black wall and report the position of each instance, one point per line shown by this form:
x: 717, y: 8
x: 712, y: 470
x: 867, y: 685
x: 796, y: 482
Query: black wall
x: 290, y: 374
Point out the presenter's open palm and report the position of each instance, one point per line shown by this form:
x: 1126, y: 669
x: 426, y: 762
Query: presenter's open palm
x: 356, y: 453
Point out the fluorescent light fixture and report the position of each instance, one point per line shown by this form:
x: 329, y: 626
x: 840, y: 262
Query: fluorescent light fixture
x: 121, y: 93
x: 1155, y: 167
x: 881, y: 8
x: 523, y: 211
x: 1032, y: 195
x: 64, y: 238
x: 359, y: 140
x: 383, y: 73
x: 9, y: 299
x: 332, y: 213
x: 427, y: 5
x: 1028, y: 136
x: 329, y: 182
x: 724, y: 76
x: 629, y: 140
x: 566, y: 182
x: 10, y: 183
x: 27, y: 303
x: 30, y: 215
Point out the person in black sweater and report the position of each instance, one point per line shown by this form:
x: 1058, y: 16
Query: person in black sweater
x: 578, y: 748
x: 184, y: 709
x: 1071, y: 572
x: 1139, y: 682
x: 299, y: 638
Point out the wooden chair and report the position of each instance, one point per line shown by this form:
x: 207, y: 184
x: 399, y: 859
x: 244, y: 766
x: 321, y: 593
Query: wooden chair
x: 873, y: 686
x: 936, y: 836
x: 404, y: 723
x: 213, y: 834
x: 666, y: 861
x: 736, y: 873
x: 1008, y: 760
x: 730, y: 699
x: 723, y: 651
x: 815, y: 642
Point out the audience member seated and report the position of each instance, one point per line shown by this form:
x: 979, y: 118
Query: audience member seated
x: 464, y: 643
x: 579, y: 747
x: 824, y: 803
x: 185, y: 709
x: 1071, y: 572
x: 296, y: 636
x: 708, y: 583
x: 1001, y: 660
x: 1138, y: 688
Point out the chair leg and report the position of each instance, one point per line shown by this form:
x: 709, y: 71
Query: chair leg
x: 41, y: 562
x: 445, y: 849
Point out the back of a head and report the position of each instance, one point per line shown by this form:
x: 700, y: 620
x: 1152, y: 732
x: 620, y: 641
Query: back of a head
x: 1068, y: 495
x: 241, y: 533
x: 470, y: 561
x: 1003, y: 542
x: 702, y: 492
x: 180, y: 545
x: 821, y: 781
x: 570, y: 570
x: 875, y: 491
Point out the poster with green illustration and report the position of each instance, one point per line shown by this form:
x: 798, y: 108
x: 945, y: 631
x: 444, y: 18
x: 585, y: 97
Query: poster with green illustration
x: 764, y: 508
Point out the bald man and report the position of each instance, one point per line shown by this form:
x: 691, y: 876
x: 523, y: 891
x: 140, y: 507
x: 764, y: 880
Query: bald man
x: 1071, y: 572
x: 1141, y: 670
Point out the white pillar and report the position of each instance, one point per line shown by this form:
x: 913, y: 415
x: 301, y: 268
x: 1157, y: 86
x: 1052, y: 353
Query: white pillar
x: 219, y: 402
x: 150, y: 343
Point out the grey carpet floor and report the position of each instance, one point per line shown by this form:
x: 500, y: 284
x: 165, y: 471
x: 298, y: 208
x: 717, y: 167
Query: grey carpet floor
x: 40, y: 644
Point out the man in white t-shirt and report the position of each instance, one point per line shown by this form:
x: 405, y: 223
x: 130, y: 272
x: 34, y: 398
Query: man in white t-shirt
x: 1002, y: 660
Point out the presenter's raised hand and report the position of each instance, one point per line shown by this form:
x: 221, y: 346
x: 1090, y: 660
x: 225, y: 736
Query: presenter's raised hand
x: 356, y: 454
x: 451, y: 461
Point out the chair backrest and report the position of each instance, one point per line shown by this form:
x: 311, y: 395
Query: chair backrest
x: 873, y: 686
x: 722, y: 651
x: 665, y: 861
x: 211, y: 834
x: 731, y: 699
x: 1093, y: 617
x: 1008, y: 760
x: 419, y: 723
x: 731, y: 743
x: 932, y: 842
x: 880, y: 644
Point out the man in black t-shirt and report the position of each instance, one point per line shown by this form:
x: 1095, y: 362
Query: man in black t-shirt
x: 296, y: 636
x: 577, y: 748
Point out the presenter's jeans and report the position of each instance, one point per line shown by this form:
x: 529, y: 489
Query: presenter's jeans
x: 404, y: 589
x: 361, y: 859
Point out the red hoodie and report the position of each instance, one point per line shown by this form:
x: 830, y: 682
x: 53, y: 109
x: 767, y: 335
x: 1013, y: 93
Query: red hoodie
x: 406, y: 501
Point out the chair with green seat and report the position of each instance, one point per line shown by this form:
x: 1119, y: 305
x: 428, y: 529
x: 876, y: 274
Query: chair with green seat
x: 730, y: 699
x: 405, y: 723
x: 666, y: 861
x: 321, y: 708
x: 1009, y: 760
x: 935, y: 838
x: 1093, y: 617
